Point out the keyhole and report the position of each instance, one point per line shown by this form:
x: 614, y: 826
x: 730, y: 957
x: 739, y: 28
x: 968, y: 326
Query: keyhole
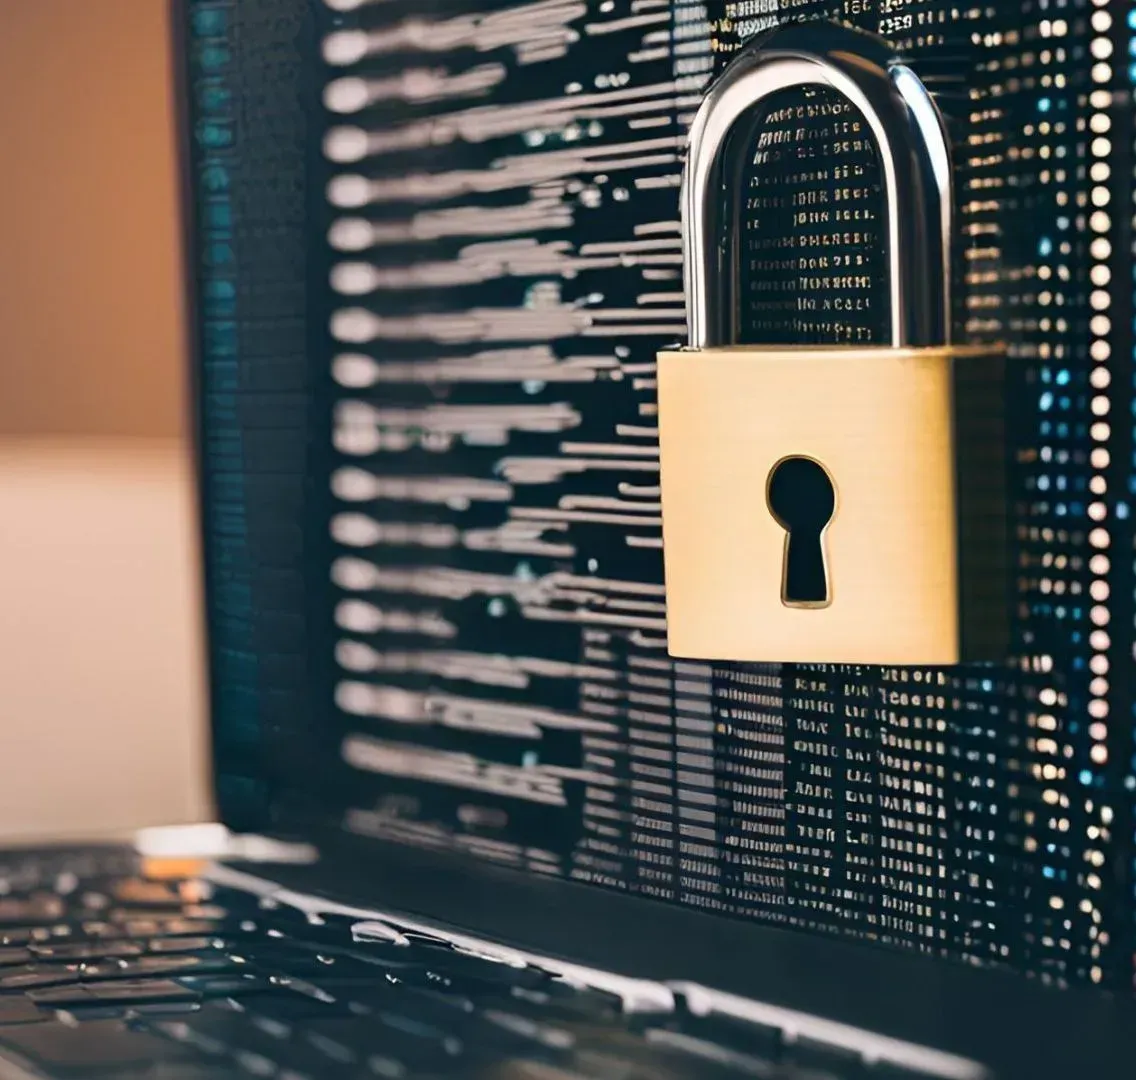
x: 802, y: 498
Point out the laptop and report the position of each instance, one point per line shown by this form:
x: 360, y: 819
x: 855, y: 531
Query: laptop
x: 474, y: 819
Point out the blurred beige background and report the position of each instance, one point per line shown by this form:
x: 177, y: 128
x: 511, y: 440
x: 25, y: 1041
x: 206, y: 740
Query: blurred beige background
x: 101, y: 696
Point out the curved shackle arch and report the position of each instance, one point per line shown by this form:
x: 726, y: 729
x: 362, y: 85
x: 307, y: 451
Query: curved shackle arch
x: 910, y: 140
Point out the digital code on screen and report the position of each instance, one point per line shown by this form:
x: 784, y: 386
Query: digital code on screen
x: 437, y: 249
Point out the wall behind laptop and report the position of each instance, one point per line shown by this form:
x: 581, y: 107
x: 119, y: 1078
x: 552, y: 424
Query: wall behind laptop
x: 101, y: 703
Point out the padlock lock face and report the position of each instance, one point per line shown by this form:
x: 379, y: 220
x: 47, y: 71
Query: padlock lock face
x: 899, y: 554
x: 879, y: 422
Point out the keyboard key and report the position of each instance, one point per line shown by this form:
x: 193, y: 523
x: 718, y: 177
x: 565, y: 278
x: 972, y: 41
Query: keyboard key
x: 156, y: 965
x: 126, y: 992
x: 60, y: 996
x: 83, y: 950
x: 22, y: 935
x: 40, y: 977
x: 543, y: 1031
x: 99, y: 930
x: 224, y: 1032
x: 12, y: 957
x: 203, y: 1035
x: 81, y: 1013
x: 173, y: 927
x: 417, y: 1046
x: 181, y: 944
x: 43, y: 908
x: 221, y: 986
x: 138, y: 991
x: 273, y: 956
x: 291, y: 1009
x: 444, y: 1010
x: 144, y: 893
x: 121, y: 913
x: 18, y: 1009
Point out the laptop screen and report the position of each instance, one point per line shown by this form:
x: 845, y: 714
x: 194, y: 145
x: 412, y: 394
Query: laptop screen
x: 435, y: 249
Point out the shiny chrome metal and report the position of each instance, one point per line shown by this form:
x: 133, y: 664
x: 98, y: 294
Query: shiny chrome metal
x: 915, y: 163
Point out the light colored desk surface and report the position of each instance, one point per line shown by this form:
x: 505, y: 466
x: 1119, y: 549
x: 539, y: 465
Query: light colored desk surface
x: 101, y: 688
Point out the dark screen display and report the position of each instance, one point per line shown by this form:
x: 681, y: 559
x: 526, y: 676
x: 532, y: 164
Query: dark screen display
x: 436, y: 251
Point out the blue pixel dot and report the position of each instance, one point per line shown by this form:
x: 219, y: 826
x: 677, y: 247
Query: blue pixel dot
x: 213, y: 58
x: 211, y: 21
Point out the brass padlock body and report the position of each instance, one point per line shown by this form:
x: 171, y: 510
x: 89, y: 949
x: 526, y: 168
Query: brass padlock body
x: 915, y: 546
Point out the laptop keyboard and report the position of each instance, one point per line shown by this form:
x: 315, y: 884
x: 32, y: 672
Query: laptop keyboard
x: 106, y: 972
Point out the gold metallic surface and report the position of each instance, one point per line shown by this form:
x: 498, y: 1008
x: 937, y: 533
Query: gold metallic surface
x: 880, y: 421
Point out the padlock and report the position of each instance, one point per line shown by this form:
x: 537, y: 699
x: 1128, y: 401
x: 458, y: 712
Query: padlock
x: 840, y: 504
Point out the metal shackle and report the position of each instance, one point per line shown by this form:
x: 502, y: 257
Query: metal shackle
x: 914, y: 155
